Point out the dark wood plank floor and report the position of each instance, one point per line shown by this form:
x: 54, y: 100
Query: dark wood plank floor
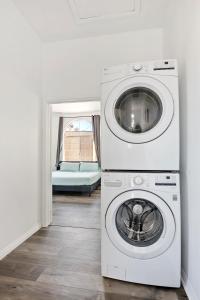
x: 62, y: 262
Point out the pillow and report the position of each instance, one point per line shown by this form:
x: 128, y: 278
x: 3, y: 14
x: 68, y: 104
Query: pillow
x: 69, y: 166
x: 89, y: 167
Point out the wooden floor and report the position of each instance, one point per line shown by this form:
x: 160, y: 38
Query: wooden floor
x: 62, y: 262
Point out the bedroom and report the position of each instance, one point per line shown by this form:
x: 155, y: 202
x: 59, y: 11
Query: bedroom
x: 75, y: 162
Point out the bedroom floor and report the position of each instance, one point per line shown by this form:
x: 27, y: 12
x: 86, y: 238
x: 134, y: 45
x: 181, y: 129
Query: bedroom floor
x: 79, y: 211
x: 62, y: 262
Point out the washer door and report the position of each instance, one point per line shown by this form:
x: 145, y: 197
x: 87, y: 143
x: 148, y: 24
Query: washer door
x: 139, y: 109
x: 140, y: 224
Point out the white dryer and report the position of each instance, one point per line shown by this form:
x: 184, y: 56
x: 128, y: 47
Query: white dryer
x: 141, y: 228
x: 140, y: 117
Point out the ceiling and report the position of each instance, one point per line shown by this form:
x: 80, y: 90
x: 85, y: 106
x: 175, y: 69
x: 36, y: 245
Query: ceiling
x: 56, y: 20
x: 77, y: 107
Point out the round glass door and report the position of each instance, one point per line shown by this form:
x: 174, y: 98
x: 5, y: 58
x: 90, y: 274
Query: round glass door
x: 138, y: 110
x: 139, y: 222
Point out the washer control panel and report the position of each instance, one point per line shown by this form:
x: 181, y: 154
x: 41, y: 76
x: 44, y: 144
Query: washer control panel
x: 131, y: 180
x: 152, y: 180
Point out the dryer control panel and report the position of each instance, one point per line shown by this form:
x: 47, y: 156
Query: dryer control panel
x: 160, y: 67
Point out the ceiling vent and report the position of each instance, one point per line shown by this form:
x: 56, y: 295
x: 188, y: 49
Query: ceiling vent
x: 93, y: 10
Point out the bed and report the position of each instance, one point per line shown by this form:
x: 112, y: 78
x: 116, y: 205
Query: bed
x: 76, y: 177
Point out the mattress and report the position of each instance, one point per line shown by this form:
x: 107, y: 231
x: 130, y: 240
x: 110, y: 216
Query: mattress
x: 74, y: 178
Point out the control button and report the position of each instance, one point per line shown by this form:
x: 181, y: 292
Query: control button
x: 138, y: 67
x: 138, y: 180
x: 175, y: 197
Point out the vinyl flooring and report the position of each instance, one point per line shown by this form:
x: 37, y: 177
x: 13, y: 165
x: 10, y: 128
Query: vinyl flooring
x: 62, y: 262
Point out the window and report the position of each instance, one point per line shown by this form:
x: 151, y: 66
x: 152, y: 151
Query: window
x: 78, y: 140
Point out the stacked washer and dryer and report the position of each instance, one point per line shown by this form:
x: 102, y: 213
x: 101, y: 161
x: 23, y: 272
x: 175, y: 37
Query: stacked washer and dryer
x: 140, y: 173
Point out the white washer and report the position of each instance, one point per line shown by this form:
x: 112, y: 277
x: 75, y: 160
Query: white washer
x: 141, y: 228
x: 140, y: 117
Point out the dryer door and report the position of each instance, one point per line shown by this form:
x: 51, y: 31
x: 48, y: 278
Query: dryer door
x: 139, y: 109
x: 140, y: 224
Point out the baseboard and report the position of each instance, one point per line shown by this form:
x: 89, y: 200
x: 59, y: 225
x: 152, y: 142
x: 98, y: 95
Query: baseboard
x: 188, y: 287
x: 4, y: 252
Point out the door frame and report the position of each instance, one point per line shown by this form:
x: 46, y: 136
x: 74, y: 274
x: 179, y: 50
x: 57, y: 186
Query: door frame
x: 46, y: 207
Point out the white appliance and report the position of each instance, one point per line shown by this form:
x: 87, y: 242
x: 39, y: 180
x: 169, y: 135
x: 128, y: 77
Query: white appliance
x: 140, y: 117
x: 141, y: 227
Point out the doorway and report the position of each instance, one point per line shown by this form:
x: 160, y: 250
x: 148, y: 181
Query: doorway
x: 72, y: 112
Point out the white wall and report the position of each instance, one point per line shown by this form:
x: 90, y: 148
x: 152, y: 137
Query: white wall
x: 20, y: 127
x: 72, y: 69
x: 182, y: 40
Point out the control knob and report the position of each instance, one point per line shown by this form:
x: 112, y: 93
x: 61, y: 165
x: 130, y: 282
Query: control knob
x: 138, y: 180
x: 137, y: 67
